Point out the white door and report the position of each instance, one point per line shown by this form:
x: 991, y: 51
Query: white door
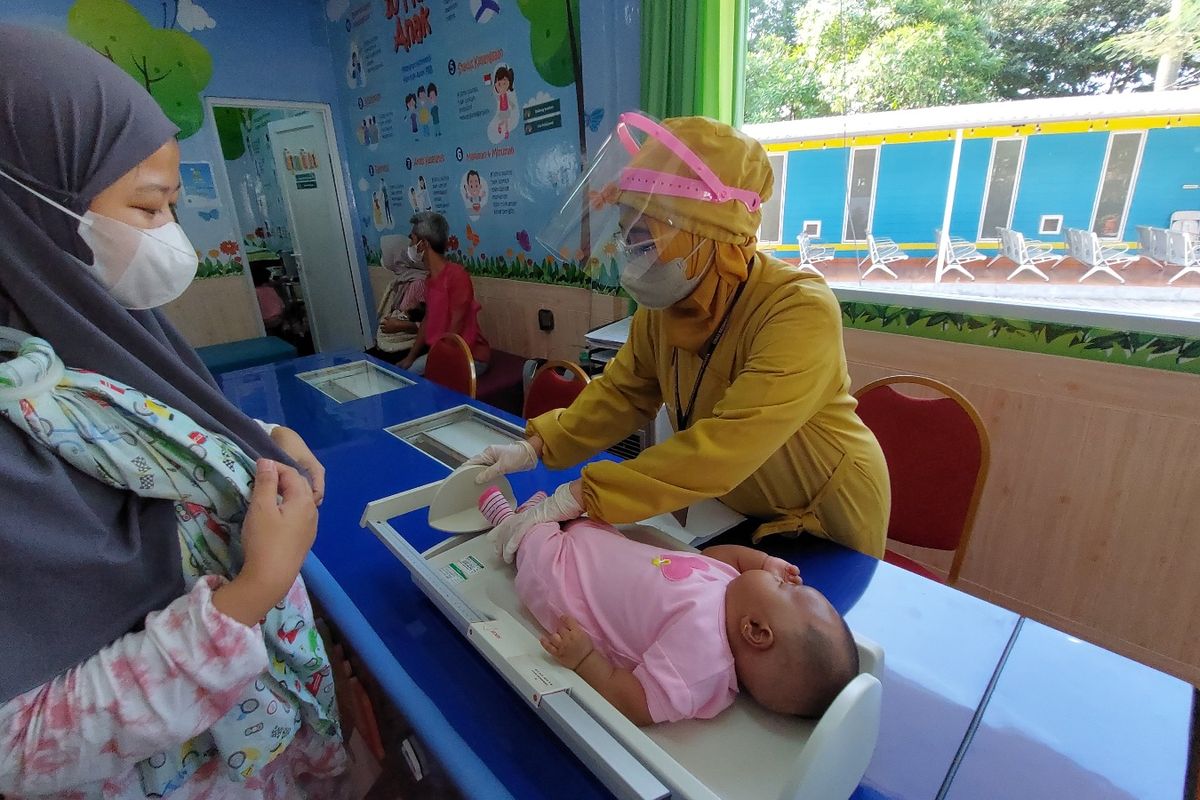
x: 328, y: 278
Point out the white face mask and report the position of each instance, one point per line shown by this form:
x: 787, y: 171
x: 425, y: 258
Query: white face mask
x: 414, y: 255
x: 141, y: 267
x: 659, y: 285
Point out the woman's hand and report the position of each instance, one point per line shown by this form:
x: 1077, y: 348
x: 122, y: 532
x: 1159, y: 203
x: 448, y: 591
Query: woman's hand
x: 280, y: 525
x: 290, y: 442
x: 504, y: 459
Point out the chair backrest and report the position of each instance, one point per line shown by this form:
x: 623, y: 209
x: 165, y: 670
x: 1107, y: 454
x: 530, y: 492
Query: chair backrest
x: 937, y: 453
x: 803, y: 241
x: 556, y: 384
x: 1145, y: 239
x: 1158, y: 247
x: 449, y: 363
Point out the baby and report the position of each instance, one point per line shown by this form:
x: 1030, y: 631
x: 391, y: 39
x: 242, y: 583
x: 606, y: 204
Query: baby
x: 666, y: 635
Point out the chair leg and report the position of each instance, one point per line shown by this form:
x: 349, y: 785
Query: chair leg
x: 1028, y: 267
x: 1102, y: 267
x: 993, y: 261
x: 955, y: 265
x: 879, y: 265
x: 1193, y: 268
x: 810, y: 268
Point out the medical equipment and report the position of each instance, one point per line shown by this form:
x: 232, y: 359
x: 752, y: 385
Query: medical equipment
x: 745, y: 753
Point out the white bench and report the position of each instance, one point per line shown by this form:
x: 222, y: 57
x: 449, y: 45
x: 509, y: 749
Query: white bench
x: 1085, y: 247
x: 1182, y: 251
x: 882, y: 251
x: 811, y: 254
x: 1027, y: 254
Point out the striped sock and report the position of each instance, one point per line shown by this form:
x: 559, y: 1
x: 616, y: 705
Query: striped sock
x: 532, y: 501
x: 495, y: 506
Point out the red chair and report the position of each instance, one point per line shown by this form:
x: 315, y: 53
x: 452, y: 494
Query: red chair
x: 450, y: 364
x: 555, y: 385
x: 937, y: 454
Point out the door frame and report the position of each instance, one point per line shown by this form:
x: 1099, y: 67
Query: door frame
x: 341, y: 190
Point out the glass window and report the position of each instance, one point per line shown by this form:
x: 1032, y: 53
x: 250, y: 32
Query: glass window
x: 860, y: 193
x: 1004, y: 174
x: 1116, y: 182
x: 771, y: 229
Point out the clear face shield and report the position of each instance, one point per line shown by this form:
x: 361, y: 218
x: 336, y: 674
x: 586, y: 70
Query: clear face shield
x: 615, y: 219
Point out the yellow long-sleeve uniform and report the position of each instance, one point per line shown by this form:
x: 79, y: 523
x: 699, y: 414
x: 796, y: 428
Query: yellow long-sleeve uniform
x: 773, y: 432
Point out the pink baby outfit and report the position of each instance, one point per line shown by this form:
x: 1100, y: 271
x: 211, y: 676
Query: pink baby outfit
x: 659, y: 613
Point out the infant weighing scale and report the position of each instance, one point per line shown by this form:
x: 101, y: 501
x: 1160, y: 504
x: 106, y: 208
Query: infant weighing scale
x: 745, y: 753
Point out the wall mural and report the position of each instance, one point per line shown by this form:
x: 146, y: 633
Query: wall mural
x: 470, y: 108
x: 173, y: 66
x: 1131, y: 348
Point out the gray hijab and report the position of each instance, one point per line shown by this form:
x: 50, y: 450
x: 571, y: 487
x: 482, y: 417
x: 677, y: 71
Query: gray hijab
x: 81, y: 563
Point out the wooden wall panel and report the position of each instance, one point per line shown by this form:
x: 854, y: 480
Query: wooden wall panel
x: 216, y: 310
x: 1090, y: 520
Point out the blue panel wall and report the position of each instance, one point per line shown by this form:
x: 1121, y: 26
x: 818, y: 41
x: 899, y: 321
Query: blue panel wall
x: 1170, y: 160
x: 1060, y: 176
x: 972, y: 181
x: 816, y: 189
x: 910, y: 192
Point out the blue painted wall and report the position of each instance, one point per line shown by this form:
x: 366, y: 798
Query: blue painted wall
x: 1060, y: 175
x: 910, y: 192
x: 816, y: 189
x: 1170, y: 160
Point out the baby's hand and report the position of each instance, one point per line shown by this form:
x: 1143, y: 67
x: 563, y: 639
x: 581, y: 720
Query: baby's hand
x: 570, y: 645
x: 782, y: 569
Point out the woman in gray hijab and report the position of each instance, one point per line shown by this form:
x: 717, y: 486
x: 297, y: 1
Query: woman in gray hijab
x: 117, y: 680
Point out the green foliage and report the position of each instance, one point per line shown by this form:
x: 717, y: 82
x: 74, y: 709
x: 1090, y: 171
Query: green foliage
x: 172, y: 66
x: 1121, y: 347
x: 552, y: 272
x: 786, y: 85
x: 842, y: 56
x: 217, y: 268
x: 1049, y: 47
x: 549, y: 38
x: 1161, y: 36
x: 229, y: 131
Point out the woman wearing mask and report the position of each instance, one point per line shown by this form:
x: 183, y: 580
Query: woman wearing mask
x: 450, y: 305
x: 156, y: 633
x: 745, y: 351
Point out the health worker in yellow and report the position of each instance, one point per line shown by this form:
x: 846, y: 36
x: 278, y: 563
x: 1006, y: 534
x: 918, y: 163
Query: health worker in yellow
x: 745, y: 351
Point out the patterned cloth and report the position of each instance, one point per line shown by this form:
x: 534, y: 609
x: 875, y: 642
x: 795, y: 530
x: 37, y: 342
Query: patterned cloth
x: 129, y: 440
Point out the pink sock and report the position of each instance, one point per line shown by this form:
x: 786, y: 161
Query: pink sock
x: 495, y: 506
x: 532, y: 501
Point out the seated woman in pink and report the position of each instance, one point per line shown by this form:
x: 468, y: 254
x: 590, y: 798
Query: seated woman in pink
x: 450, y: 305
x: 665, y: 635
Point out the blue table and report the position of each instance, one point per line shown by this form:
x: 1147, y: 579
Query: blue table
x: 1068, y: 719
x: 943, y: 648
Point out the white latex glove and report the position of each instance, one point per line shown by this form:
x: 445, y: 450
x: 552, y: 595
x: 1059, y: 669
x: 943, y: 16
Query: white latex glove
x: 504, y: 459
x: 558, y: 507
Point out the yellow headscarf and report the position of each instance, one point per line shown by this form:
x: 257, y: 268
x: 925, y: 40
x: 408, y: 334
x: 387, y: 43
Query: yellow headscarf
x: 702, y: 232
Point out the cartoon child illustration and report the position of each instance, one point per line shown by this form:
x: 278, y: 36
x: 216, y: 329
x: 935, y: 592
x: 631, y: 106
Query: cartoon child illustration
x: 423, y: 111
x: 432, y: 91
x: 355, y: 75
x: 422, y: 194
x: 387, y: 203
x: 474, y: 194
x: 376, y: 211
x: 410, y: 103
x: 412, y: 198
x: 373, y: 129
x: 506, y: 102
x: 486, y: 10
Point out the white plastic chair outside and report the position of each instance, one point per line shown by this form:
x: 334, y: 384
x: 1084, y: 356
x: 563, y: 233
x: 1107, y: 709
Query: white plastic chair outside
x: 1158, y: 238
x: 1086, y: 247
x: 1028, y: 253
x: 882, y: 251
x: 959, y: 251
x: 1182, y: 251
x: 1002, y: 234
x: 811, y: 254
x: 1146, y: 245
x: 1186, y: 222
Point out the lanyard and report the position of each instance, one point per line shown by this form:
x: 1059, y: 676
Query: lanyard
x: 684, y: 418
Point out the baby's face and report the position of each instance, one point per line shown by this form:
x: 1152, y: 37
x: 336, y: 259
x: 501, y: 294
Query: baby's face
x: 761, y: 593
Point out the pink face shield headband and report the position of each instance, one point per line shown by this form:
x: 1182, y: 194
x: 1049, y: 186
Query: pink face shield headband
x: 707, y: 187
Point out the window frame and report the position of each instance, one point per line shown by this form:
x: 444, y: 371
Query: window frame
x: 987, y: 186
